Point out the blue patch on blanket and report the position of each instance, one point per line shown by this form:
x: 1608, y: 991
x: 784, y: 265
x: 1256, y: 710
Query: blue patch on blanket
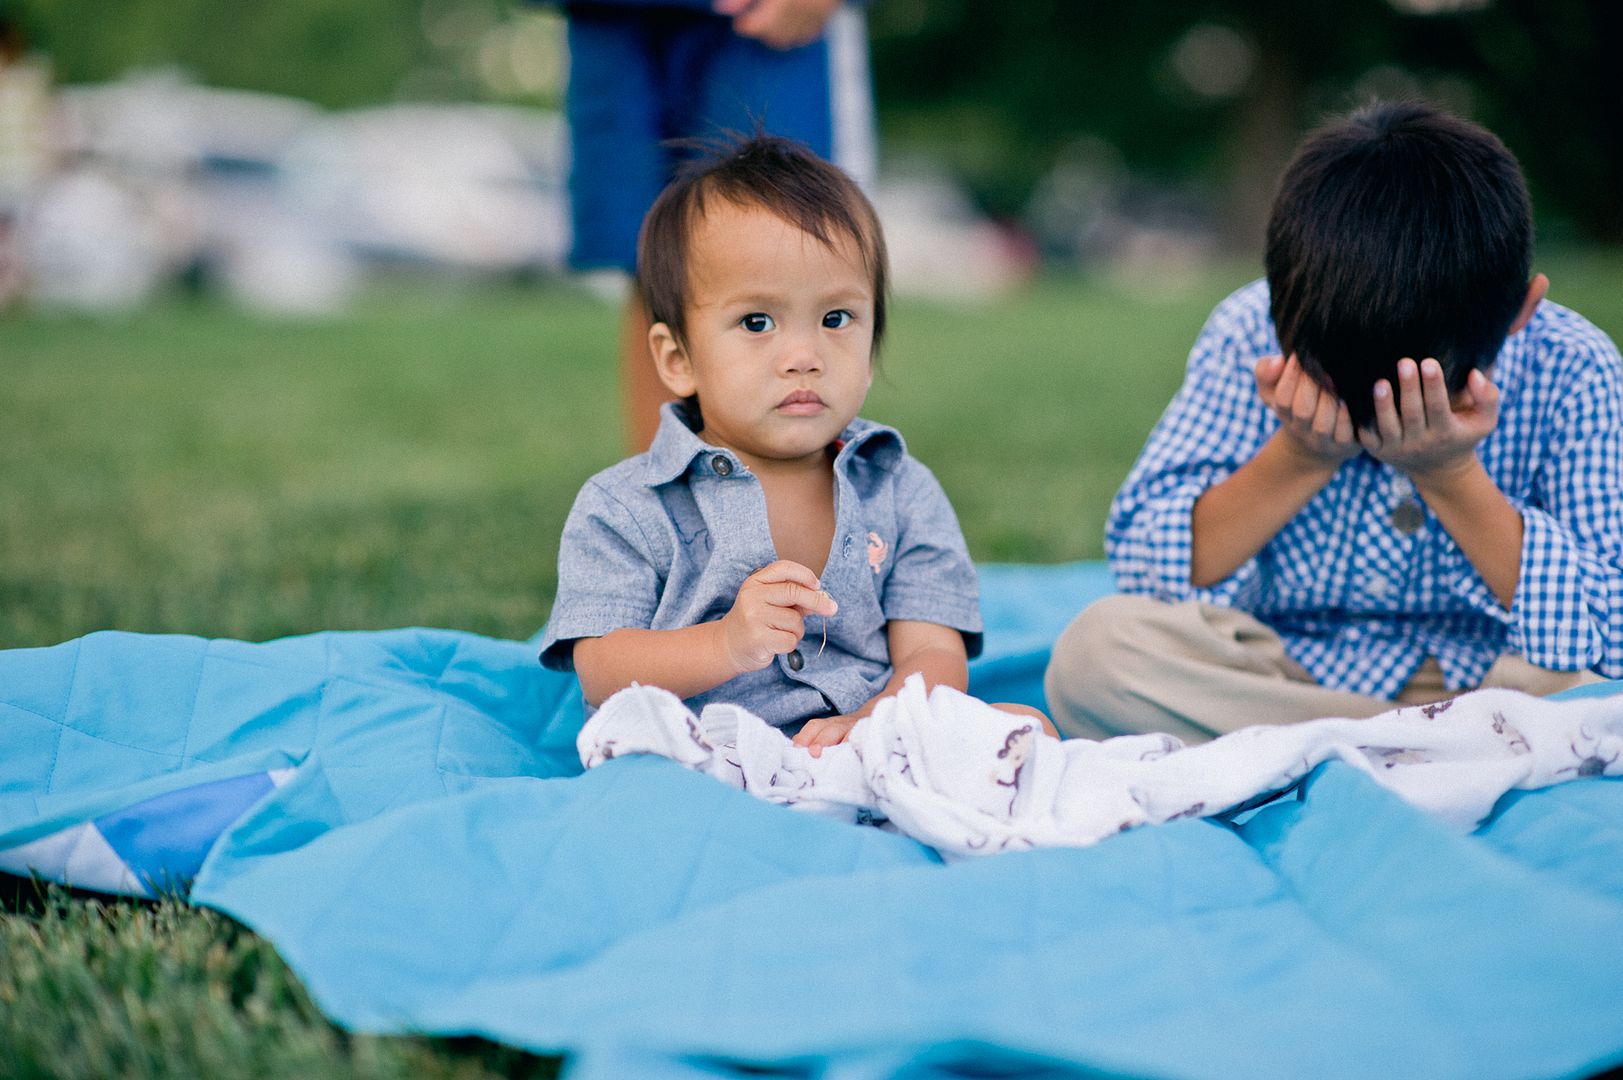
x: 419, y: 848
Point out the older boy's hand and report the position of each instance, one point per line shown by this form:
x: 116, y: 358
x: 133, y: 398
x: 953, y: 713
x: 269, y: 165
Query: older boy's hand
x: 1314, y: 419
x: 781, y: 24
x: 1425, y: 433
x: 768, y: 616
x: 825, y: 731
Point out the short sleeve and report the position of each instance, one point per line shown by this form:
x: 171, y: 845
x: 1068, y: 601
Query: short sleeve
x: 932, y: 578
x: 607, y: 579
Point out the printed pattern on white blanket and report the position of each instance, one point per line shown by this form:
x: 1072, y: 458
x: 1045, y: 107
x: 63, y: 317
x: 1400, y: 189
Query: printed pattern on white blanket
x: 968, y: 779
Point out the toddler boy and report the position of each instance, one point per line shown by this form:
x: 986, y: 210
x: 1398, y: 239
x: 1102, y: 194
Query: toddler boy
x: 771, y: 549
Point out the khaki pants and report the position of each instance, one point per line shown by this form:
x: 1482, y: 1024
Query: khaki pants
x: 1131, y: 664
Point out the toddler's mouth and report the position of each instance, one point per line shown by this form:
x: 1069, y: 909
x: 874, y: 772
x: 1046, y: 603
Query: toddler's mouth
x: 801, y: 403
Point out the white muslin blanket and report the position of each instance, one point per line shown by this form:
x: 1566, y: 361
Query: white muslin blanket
x: 968, y: 779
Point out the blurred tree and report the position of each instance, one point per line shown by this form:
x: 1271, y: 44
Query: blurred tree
x: 332, y: 52
x: 1218, y: 91
x: 1551, y: 90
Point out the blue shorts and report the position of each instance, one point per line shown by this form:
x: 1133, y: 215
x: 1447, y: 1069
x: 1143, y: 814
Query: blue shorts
x: 643, y: 74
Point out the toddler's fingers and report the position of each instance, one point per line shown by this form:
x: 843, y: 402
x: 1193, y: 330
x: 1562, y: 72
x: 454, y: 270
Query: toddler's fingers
x: 786, y: 620
x: 787, y: 570
x: 809, y: 730
x: 823, y: 604
x: 788, y: 594
x: 831, y: 732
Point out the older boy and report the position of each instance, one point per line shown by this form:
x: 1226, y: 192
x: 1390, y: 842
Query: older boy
x: 1393, y: 473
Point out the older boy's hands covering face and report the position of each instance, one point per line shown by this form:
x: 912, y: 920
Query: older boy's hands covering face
x: 1314, y: 419
x: 1423, y: 431
x: 781, y: 24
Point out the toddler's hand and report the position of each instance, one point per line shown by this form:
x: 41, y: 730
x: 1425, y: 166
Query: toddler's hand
x: 1314, y: 419
x: 1425, y: 433
x: 781, y: 24
x: 824, y: 731
x: 768, y: 617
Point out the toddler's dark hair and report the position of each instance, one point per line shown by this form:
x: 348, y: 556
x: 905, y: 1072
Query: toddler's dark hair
x: 1399, y: 230
x: 774, y: 173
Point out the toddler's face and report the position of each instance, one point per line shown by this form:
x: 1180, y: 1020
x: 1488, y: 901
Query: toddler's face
x: 779, y: 334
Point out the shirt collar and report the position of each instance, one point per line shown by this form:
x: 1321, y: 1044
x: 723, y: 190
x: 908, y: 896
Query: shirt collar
x: 676, y: 444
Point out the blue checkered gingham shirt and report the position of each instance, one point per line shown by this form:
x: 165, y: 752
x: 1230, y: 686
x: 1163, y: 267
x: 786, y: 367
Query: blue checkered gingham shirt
x: 1359, y: 603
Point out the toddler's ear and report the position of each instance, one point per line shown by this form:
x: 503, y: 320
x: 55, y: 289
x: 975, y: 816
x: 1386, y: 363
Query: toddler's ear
x: 671, y: 361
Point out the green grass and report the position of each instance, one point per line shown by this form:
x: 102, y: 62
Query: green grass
x: 93, y: 989
x: 192, y: 469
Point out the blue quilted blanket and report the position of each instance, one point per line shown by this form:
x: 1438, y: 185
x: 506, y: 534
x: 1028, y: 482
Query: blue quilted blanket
x: 401, y: 812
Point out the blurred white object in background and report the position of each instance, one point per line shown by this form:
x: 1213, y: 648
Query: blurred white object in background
x: 172, y: 179
x: 93, y: 243
x: 286, y: 209
x: 256, y: 246
x: 474, y: 187
x: 940, y: 245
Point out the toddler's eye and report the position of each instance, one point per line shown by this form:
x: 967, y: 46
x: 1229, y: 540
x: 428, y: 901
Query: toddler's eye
x: 757, y: 322
x: 838, y: 319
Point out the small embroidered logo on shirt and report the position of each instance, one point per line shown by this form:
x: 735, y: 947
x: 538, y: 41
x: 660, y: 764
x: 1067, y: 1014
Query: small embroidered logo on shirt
x: 876, y: 551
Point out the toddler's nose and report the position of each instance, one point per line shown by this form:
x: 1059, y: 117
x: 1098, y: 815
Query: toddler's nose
x: 800, y: 356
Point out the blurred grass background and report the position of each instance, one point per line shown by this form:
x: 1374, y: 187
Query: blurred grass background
x: 198, y: 470
x: 195, y: 469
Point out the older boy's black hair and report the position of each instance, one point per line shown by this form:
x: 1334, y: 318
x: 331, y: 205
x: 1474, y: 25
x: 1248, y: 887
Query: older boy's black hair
x: 777, y: 174
x: 1398, y: 231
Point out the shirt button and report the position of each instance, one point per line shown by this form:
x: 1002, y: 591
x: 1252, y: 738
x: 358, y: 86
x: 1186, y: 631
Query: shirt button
x: 845, y: 549
x: 795, y: 660
x: 721, y: 466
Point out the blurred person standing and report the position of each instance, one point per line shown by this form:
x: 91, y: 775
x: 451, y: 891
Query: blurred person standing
x: 645, y: 72
x: 25, y: 154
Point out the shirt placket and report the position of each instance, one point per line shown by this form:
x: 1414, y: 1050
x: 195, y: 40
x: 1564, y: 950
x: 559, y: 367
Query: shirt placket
x: 815, y: 665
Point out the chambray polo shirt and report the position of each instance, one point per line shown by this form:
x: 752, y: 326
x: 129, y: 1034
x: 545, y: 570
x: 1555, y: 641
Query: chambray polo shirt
x: 665, y: 539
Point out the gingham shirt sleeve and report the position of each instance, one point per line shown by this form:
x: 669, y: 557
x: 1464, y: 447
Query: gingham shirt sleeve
x: 1215, y: 424
x: 607, y: 579
x: 1568, y: 609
